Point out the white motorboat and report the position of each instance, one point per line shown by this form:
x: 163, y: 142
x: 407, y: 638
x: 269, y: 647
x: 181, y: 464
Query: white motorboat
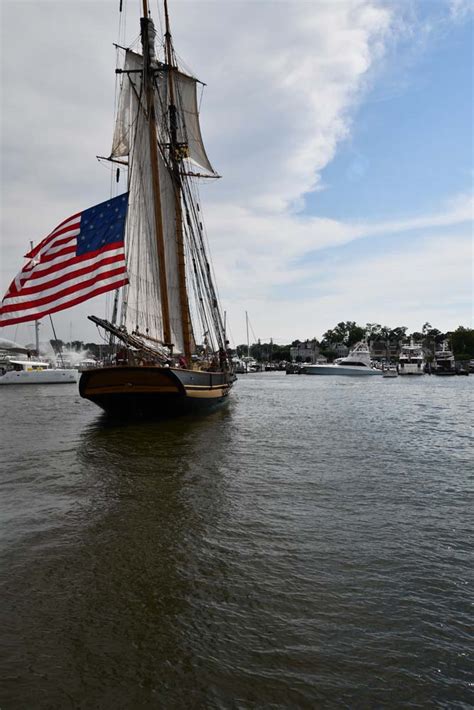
x: 412, y: 360
x: 390, y: 371
x: 239, y: 366
x: 34, y: 372
x: 356, y: 364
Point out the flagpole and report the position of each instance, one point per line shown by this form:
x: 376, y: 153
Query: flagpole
x: 37, y: 325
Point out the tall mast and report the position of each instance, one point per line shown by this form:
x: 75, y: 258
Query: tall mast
x: 248, y: 341
x: 148, y: 54
x: 174, y: 148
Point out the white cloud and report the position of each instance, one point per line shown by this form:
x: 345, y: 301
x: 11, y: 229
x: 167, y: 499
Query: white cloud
x: 430, y: 281
x: 266, y: 247
x: 284, y: 82
x: 460, y: 9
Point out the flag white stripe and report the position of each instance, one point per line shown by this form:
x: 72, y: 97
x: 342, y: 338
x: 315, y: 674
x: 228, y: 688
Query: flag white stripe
x: 58, y: 247
x: 68, y: 283
x: 26, y: 272
x: 35, y: 264
x: 73, y: 231
x: 70, y: 269
x: 44, y: 309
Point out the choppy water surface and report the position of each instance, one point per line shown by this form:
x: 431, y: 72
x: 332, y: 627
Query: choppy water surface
x: 307, y: 546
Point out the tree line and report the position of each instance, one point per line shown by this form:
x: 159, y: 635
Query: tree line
x: 461, y: 341
x: 348, y: 333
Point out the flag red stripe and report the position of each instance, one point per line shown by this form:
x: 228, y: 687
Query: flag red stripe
x: 61, y: 294
x: 54, y: 245
x: 69, y: 304
x: 56, y: 232
x: 71, y: 275
x: 39, y: 273
x: 50, y: 257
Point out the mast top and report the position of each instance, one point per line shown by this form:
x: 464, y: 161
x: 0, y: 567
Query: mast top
x: 167, y: 20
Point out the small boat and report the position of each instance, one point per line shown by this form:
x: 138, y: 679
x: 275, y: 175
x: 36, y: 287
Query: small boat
x: 34, y: 372
x: 357, y: 364
x: 238, y: 366
x: 390, y: 371
x: 411, y: 360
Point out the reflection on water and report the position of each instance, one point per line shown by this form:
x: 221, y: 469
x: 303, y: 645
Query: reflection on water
x: 305, y: 546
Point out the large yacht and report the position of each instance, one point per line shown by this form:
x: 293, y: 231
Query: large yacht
x: 34, y: 372
x: 356, y: 364
x: 443, y: 363
x: 411, y: 360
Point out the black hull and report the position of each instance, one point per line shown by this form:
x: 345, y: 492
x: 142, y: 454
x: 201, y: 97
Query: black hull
x: 154, y: 392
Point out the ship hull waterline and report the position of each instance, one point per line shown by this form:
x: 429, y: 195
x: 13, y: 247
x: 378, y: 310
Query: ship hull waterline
x: 341, y: 371
x: 153, y: 391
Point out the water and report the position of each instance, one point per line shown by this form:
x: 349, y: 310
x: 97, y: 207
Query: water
x: 306, y: 547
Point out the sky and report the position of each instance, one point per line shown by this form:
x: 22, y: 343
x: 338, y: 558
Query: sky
x: 342, y: 131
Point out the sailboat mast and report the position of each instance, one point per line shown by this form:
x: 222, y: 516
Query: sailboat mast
x: 248, y: 341
x: 148, y: 55
x: 174, y: 152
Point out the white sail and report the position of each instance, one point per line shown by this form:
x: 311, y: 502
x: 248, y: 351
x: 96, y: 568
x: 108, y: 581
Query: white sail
x: 142, y: 308
x: 189, y: 129
x: 142, y: 299
x: 190, y: 133
x: 168, y: 205
x: 128, y: 105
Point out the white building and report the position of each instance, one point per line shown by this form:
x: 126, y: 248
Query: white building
x: 305, y: 352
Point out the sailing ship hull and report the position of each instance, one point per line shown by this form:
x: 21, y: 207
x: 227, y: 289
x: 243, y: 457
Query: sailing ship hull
x: 153, y: 391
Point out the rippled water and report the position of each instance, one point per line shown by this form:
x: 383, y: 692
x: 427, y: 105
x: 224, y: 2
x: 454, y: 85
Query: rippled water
x: 307, y: 546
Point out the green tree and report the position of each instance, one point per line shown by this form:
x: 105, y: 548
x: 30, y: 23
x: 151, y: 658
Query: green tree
x: 346, y: 332
x: 398, y: 334
x: 462, y: 343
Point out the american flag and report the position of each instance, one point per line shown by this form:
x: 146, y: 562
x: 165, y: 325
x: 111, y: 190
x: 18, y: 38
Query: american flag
x: 83, y: 257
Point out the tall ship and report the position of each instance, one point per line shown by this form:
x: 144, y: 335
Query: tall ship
x: 411, y: 360
x: 174, y: 356
x: 166, y: 334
